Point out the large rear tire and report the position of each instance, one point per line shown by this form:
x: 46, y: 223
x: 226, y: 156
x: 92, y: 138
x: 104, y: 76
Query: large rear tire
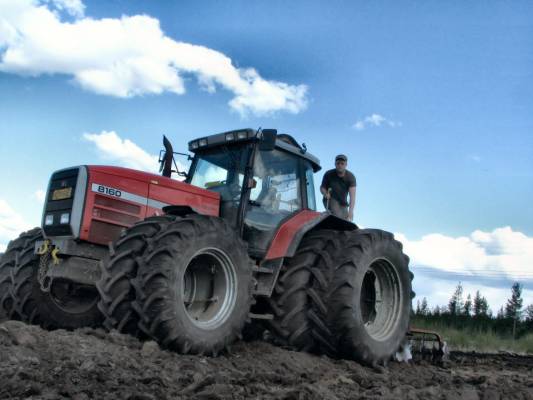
x: 7, y: 264
x: 194, y: 286
x: 369, y: 298
x: 294, y: 295
x: 67, y: 305
x: 117, y: 270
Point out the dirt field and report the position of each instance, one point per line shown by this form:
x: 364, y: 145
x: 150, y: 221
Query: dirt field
x: 90, y: 364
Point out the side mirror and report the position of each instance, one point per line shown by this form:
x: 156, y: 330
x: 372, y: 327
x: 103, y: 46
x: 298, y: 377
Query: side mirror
x: 268, y: 139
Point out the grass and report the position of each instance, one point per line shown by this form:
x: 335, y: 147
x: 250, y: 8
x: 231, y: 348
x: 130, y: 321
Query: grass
x: 475, y: 340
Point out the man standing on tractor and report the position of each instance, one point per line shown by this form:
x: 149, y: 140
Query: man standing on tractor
x: 336, y: 184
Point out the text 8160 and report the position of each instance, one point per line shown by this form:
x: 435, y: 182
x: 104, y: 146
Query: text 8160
x: 109, y: 191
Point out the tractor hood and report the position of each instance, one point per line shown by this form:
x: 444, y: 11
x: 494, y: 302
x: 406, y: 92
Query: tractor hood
x: 150, y: 178
x: 95, y: 203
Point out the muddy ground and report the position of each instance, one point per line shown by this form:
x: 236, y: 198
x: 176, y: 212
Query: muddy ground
x: 91, y: 364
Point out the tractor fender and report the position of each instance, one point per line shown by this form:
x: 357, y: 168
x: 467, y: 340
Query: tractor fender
x: 179, y: 211
x: 290, y: 233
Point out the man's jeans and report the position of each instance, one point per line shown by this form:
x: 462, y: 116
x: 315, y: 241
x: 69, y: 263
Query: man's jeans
x: 336, y: 208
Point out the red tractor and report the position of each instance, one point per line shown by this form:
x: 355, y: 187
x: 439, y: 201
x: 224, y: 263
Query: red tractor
x: 190, y: 263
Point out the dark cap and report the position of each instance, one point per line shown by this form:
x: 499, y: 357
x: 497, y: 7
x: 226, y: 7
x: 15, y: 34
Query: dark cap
x: 341, y: 157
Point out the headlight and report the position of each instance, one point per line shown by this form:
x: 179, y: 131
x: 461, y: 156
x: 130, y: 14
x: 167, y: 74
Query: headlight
x: 230, y: 136
x: 49, y: 219
x: 65, y: 217
x: 241, y: 135
x: 194, y: 145
x: 202, y: 142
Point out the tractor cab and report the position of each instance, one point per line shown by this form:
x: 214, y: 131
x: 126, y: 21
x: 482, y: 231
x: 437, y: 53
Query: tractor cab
x: 263, y: 179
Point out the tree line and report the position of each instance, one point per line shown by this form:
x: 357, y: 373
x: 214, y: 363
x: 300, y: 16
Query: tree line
x: 475, y: 313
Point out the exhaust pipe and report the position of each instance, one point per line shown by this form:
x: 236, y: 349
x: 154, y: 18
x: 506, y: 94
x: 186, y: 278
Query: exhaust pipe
x: 166, y: 166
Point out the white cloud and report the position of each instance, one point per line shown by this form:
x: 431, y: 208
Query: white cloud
x: 474, y: 157
x: 40, y: 195
x: 488, y: 260
x: 11, y: 224
x: 501, y: 252
x: 125, y: 153
x: 374, y: 120
x: 359, y: 125
x: 113, y: 148
x: 128, y: 56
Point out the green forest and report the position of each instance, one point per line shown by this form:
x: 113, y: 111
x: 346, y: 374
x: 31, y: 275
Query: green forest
x: 468, y: 322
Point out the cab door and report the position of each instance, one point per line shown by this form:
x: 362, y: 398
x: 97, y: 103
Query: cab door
x: 275, y: 197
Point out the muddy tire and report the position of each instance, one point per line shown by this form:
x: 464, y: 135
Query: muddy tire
x: 7, y: 264
x: 295, y: 294
x: 369, y: 298
x: 194, y: 286
x: 66, y: 305
x: 117, y: 270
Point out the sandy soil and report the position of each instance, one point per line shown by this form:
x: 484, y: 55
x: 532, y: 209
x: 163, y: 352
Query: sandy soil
x: 91, y: 364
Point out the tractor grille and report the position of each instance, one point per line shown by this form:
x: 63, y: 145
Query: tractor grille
x: 59, y: 201
x: 115, y: 211
x: 116, y: 204
x: 109, y: 217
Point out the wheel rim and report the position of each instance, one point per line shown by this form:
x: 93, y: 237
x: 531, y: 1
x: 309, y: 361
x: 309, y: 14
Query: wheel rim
x: 209, y: 288
x: 380, y: 299
x: 72, y: 298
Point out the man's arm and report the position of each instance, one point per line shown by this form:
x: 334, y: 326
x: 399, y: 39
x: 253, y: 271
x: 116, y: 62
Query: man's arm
x: 352, y: 203
x: 324, y: 186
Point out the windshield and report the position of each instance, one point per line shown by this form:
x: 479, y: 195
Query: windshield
x: 309, y: 181
x: 221, y: 170
x: 277, y: 193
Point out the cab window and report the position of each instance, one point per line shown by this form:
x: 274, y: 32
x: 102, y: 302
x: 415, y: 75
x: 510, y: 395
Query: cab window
x: 221, y: 172
x: 310, y: 186
x: 277, y: 189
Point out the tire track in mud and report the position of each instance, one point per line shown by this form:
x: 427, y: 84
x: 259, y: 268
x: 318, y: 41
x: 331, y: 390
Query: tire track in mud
x: 92, y: 364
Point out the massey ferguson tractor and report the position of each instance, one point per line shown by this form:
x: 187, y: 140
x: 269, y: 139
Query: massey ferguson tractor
x: 191, y: 263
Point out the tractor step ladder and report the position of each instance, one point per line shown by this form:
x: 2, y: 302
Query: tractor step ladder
x: 266, y: 274
x: 261, y: 316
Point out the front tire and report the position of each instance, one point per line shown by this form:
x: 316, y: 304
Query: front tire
x: 194, y: 286
x: 8, y: 262
x: 295, y: 296
x: 67, y: 305
x: 119, y: 268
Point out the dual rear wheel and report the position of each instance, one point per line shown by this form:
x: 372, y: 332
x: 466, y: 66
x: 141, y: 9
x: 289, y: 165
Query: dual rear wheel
x: 352, y: 292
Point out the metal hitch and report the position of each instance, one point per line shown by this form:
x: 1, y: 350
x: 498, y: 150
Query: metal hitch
x: 427, y: 345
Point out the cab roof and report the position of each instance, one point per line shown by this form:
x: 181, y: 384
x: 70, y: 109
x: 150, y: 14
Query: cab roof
x: 283, y: 141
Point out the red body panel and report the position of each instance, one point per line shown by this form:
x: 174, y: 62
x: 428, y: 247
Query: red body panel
x: 287, y: 232
x: 182, y: 194
x: 118, y: 197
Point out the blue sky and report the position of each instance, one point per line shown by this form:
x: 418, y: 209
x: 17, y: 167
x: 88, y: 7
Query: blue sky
x: 430, y: 101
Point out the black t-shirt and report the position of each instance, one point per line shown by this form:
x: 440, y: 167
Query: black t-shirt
x: 339, y: 185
